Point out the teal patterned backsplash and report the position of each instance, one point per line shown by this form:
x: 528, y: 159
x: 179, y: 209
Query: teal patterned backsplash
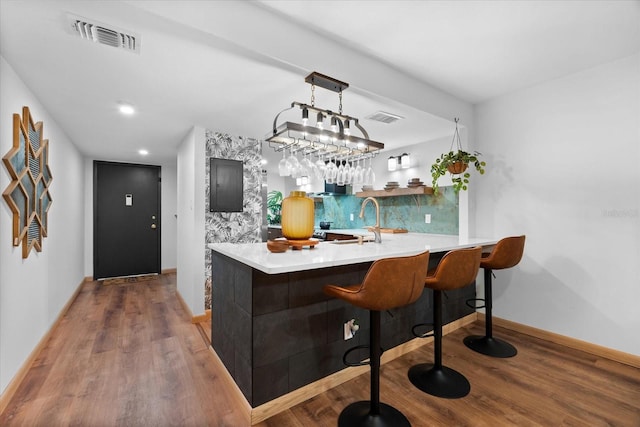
x: 395, y: 212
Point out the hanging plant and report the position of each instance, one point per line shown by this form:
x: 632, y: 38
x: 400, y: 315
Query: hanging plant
x: 456, y: 162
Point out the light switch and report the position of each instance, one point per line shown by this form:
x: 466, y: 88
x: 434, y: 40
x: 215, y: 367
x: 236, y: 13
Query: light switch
x: 128, y: 199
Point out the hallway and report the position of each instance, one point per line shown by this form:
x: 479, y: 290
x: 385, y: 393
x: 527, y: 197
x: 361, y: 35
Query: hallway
x: 124, y: 355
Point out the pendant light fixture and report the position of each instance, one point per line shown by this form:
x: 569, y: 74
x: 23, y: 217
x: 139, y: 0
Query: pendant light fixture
x: 333, y: 137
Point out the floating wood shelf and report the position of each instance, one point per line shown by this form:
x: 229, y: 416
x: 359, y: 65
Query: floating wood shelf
x: 396, y: 192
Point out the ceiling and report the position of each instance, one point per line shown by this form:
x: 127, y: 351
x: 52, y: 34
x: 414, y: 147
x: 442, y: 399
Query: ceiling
x: 231, y: 66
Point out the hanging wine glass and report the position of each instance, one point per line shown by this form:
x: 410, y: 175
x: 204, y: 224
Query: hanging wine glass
x: 321, y: 167
x: 296, y: 167
x: 336, y: 163
x: 340, y: 176
x: 369, y: 175
x: 365, y: 174
x: 348, y: 172
x: 292, y: 162
x: 283, y: 167
x: 357, y: 172
x: 305, y: 162
x: 307, y: 167
x: 331, y: 172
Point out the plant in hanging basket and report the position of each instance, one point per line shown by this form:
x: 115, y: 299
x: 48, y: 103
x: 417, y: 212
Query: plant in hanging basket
x: 456, y: 163
x: 457, y: 167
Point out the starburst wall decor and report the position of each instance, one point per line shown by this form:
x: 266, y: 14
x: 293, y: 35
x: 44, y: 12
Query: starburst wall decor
x: 28, y: 194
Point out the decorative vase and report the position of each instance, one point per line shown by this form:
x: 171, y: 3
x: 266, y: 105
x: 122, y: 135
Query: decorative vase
x: 297, y: 216
x: 457, y: 167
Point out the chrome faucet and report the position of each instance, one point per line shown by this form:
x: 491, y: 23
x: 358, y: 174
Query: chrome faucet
x: 376, y: 228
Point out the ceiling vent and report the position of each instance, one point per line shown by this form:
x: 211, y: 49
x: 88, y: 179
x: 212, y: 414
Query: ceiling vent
x: 384, y: 117
x: 104, y: 34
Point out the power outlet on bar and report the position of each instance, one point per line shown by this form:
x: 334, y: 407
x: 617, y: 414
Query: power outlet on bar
x: 350, y: 329
x: 347, y: 331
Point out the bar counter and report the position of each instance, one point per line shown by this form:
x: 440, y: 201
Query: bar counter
x: 276, y: 331
x: 328, y: 254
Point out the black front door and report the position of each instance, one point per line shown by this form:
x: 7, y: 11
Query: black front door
x: 126, y: 219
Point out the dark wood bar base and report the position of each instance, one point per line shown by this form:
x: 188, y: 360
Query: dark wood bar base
x: 278, y: 332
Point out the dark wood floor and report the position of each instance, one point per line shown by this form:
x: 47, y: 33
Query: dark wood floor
x: 127, y: 355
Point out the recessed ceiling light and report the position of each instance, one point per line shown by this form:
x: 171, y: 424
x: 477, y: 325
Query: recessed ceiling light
x: 143, y: 152
x: 126, y: 109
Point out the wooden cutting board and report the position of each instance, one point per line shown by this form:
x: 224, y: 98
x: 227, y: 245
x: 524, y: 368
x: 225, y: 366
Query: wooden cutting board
x: 394, y: 230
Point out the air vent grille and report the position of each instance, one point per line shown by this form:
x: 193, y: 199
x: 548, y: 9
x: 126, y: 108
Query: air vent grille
x: 101, y: 33
x: 384, y: 117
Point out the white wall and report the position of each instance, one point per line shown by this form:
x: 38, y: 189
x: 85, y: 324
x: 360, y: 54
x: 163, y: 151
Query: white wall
x: 33, y: 291
x: 88, y: 218
x: 169, y: 224
x: 190, y: 224
x: 563, y: 169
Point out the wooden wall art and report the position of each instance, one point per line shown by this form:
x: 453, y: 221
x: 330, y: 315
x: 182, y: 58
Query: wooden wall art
x: 28, y: 194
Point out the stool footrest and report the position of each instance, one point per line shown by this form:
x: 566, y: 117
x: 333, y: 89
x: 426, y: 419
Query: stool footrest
x: 475, y: 307
x: 426, y: 334
x: 352, y: 349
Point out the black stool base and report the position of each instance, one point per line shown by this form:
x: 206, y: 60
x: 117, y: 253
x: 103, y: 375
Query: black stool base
x: 490, y: 346
x: 440, y: 382
x: 358, y: 415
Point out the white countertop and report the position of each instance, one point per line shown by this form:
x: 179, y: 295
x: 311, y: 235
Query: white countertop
x: 327, y: 254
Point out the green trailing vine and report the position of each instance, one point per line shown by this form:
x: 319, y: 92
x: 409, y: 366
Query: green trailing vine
x: 451, y: 162
x: 456, y: 162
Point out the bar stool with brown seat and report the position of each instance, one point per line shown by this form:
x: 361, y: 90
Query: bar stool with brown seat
x: 389, y: 283
x: 506, y: 254
x: 457, y: 269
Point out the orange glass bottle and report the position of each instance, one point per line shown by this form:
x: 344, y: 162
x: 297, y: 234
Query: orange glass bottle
x: 297, y: 216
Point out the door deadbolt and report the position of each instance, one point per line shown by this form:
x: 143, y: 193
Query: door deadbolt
x: 153, y: 226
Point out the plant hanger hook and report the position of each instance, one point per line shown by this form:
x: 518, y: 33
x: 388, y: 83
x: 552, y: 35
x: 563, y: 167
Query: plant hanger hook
x: 456, y: 137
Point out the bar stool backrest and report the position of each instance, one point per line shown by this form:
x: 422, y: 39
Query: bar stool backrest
x: 389, y: 283
x: 506, y: 254
x: 455, y: 270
